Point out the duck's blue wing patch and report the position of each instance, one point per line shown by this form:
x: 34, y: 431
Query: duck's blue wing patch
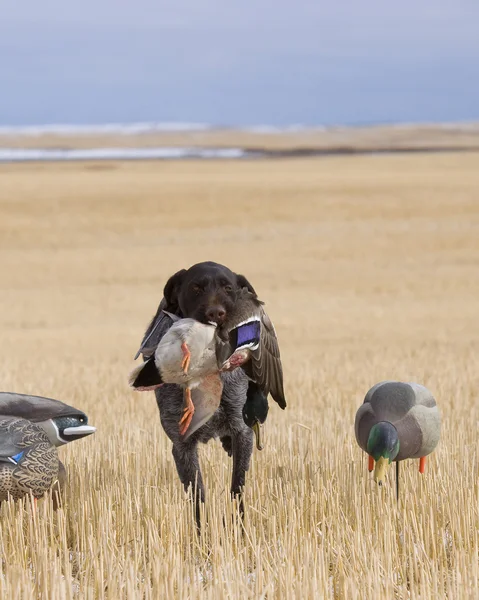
x: 16, y: 458
x: 247, y: 335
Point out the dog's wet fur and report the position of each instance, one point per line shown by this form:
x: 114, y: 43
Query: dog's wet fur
x: 207, y: 292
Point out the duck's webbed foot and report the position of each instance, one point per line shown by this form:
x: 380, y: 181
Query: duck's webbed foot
x: 188, y: 412
x: 186, y: 357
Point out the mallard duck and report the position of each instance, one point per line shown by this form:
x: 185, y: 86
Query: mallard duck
x: 255, y: 411
x: 250, y: 342
x: 198, y: 292
x: 193, y: 354
x: 186, y: 356
x: 31, y: 427
x: 397, y: 421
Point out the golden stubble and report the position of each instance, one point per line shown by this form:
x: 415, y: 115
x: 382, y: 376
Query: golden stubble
x: 369, y: 267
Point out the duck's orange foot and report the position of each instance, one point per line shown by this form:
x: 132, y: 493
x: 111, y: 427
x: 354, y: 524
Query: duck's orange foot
x: 422, y: 464
x: 186, y: 358
x: 188, y: 412
x: 371, y: 464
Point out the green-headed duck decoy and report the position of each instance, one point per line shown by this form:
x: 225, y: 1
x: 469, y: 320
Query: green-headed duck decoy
x: 397, y: 421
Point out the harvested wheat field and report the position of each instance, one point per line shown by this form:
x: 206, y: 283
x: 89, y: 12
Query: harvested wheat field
x: 369, y: 267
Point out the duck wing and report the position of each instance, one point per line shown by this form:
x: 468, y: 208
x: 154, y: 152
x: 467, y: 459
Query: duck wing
x: 157, y: 328
x: 16, y: 435
x: 266, y: 361
x: 253, y: 345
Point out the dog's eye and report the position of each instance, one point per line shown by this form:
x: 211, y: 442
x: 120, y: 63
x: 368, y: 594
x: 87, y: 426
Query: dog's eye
x: 196, y: 288
x: 228, y: 288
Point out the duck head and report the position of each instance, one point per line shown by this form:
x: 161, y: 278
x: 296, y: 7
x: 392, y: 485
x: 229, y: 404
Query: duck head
x: 64, y: 429
x: 383, y: 446
x: 255, y: 411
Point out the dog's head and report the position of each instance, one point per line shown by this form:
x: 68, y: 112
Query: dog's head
x: 206, y: 292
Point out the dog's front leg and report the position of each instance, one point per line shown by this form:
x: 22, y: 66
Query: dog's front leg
x: 188, y: 467
x: 242, y: 443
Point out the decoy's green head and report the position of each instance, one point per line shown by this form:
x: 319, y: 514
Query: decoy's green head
x: 62, y: 430
x: 255, y: 411
x: 383, y: 446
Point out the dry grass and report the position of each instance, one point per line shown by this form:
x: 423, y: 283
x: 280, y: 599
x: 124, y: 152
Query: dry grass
x: 370, y: 270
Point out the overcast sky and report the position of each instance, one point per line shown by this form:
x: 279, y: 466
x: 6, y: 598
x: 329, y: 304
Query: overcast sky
x: 238, y: 61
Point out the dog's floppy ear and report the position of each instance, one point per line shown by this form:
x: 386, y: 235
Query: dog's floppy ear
x: 171, y: 289
x: 243, y: 282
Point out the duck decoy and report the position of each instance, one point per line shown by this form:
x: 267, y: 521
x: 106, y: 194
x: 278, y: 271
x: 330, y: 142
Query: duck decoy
x: 397, y: 421
x: 31, y: 428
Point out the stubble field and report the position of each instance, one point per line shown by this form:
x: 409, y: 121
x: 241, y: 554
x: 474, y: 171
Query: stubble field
x: 369, y: 267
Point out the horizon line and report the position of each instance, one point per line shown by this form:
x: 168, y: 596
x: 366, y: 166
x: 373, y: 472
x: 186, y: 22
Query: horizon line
x: 145, y: 127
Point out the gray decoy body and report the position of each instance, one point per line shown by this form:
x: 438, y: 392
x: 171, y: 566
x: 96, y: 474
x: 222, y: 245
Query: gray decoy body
x: 397, y: 421
x: 31, y: 428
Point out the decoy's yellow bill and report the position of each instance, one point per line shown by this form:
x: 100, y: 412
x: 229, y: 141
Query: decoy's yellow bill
x: 380, y: 470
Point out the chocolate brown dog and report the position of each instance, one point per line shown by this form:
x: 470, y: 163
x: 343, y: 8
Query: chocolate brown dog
x: 206, y: 292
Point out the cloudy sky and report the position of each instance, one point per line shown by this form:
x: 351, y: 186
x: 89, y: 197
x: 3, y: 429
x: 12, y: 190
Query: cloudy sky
x: 238, y: 61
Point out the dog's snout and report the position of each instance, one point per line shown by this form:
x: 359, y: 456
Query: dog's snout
x: 216, y: 314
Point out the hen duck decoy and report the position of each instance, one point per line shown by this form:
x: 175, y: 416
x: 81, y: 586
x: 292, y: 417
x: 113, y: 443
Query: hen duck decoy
x: 28, y: 461
x: 397, y: 421
x: 31, y: 428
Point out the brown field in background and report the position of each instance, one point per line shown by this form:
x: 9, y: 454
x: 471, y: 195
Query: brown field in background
x: 369, y: 267
x: 364, y: 138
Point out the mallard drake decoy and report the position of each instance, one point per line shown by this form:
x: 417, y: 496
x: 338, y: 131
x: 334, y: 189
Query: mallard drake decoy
x: 397, y: 421
x: 255, y: 411
x: 31, y: 427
